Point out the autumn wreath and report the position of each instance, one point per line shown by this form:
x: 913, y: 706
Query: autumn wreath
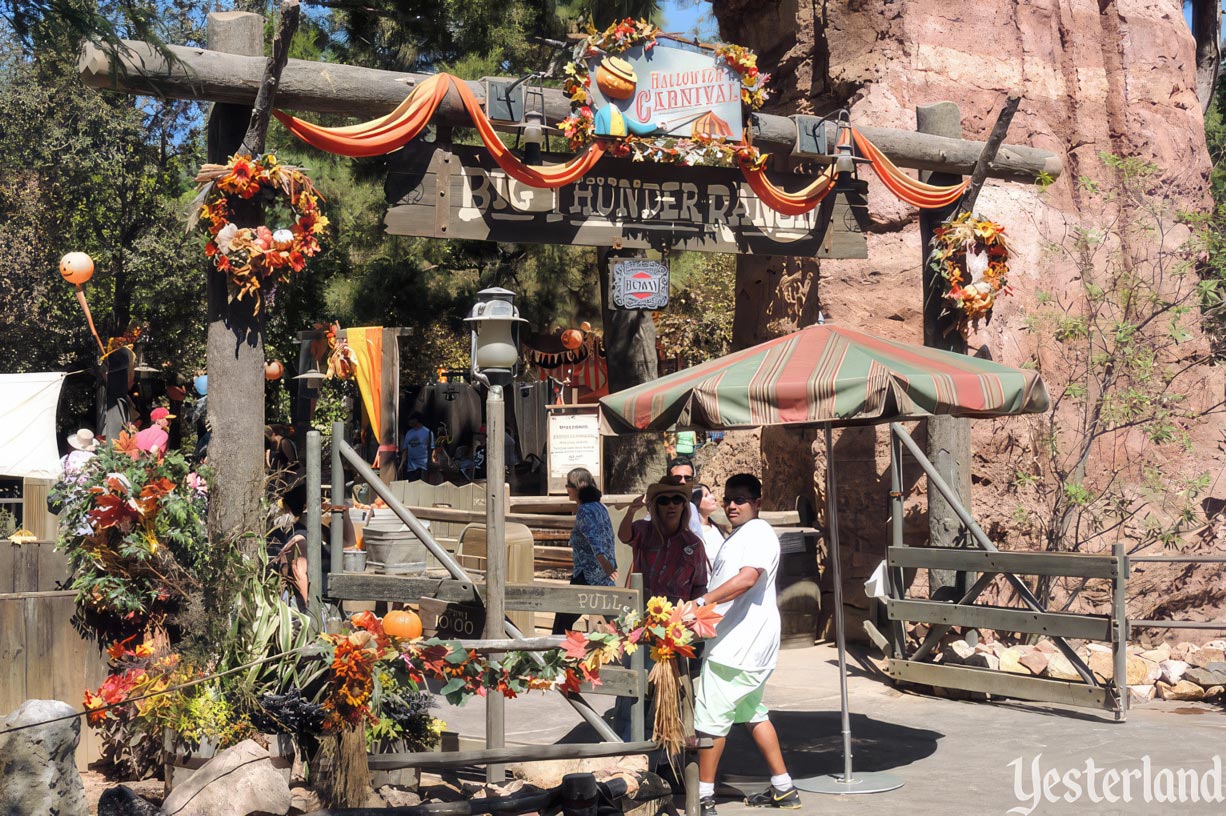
x: 256, y: 259
x: 971, y: 255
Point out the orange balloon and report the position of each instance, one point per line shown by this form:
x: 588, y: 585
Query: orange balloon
x: 572, y: 339
x: 273, y: 370
x: 402, y: 624
x: 77, y: 267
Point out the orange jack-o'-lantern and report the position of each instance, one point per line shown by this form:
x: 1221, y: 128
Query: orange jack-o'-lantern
x: 572, y: 339
x: 77, y: 267
x: 273, y: 370
x: 402, y: 624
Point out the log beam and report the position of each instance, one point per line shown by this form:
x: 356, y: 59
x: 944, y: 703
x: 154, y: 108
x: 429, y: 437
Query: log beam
x: 322, y: 87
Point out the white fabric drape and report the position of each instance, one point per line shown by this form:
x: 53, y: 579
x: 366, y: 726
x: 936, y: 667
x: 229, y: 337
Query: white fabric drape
x: 27, y: 425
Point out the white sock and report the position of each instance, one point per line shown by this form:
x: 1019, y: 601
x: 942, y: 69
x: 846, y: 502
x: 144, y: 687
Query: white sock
x: 706, y: 789
x: 781, y: 782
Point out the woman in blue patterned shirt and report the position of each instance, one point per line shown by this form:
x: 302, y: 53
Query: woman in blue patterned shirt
x: 591, y: 541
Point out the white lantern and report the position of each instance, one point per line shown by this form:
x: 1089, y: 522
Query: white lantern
x: 495, y: 346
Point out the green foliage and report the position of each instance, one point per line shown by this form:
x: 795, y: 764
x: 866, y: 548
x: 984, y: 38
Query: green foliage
x: 697, y: 325
x: 133, y: 529
x: 1113, y: 360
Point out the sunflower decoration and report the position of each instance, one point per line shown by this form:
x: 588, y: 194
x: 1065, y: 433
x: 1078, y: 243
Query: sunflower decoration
x: 256, y: 259
x: 970, y: 253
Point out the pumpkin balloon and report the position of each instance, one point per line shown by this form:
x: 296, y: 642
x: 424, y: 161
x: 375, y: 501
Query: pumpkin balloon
x: 402, y: 624
x: 273, y: 370
x: 77, y: 267
x: 572, y: 339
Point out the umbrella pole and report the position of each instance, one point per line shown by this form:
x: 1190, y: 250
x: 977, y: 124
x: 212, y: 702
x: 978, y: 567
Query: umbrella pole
x: 849, y: 782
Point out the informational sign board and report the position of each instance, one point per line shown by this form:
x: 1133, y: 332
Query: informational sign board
x: 680, y: 89
x: 459, y: 192
x: 638, y: 283
x: 574, y: 441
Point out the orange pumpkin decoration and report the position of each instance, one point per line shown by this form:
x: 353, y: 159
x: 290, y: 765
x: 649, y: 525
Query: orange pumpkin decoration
x: 402, y: 624
x: 77, y: 267
x: 273, y: 370
x: 572, y: 339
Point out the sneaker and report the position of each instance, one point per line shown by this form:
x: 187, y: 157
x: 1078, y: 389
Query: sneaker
x: 707, y: 806
x: 773, y: 797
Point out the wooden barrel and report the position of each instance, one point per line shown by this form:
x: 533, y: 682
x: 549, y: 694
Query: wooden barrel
x: 799, y: 596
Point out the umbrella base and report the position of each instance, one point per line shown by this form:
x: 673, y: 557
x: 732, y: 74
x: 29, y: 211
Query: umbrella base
x: 860, y: 782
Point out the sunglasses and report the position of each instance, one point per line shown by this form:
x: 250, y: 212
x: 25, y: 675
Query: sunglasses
x: 738, y: 499
x: 684, y: 477
x: 663, y: 500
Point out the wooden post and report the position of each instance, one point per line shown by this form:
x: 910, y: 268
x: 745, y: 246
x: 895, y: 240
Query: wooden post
x: 949, y: 439
x: 388, y: 419
x: 235, y: 345
x: 631, y: 460
x: 495, y: 563
x: 235, y: 336
x: 314, y: 472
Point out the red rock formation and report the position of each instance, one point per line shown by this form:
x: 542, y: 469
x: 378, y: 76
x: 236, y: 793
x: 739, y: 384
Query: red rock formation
x: 1095, y: 77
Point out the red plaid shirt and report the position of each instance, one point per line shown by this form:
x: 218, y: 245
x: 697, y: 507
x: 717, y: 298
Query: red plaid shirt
x: 675, y: 569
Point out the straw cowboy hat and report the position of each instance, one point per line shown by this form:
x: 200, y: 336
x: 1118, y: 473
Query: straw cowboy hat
x: 83, y: 440
x: 668, y: 486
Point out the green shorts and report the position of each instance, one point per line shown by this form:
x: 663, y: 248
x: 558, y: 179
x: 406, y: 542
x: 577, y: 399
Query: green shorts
x: 726, y: 695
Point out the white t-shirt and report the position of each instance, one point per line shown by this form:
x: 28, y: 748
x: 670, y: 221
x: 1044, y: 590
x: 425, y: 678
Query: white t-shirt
x: 712, y: 542
x: 748, y: 636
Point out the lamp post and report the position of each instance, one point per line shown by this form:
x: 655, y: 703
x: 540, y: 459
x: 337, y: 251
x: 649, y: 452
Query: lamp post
x: 495, y: 351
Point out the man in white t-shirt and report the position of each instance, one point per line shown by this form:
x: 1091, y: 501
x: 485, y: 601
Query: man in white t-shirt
x: 742, y: 655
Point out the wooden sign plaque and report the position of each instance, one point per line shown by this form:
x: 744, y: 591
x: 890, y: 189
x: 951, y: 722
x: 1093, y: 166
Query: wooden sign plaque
x: 441, y: 191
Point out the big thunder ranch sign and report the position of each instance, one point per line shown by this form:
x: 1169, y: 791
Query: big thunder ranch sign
x: 669, y: 116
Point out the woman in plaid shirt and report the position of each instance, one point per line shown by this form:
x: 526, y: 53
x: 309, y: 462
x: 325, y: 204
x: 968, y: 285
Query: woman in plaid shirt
x: 672, y: 559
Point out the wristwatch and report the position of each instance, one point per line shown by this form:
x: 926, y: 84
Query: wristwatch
x: 700, y: 601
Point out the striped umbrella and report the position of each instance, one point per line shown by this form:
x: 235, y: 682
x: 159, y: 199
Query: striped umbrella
x: 830, y: 376
x: 826, y: 374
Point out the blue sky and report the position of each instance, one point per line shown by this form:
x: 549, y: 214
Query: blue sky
x: 683, y: 16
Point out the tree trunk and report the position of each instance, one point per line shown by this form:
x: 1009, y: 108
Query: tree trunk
x: 235, y: 336
x: 631, y: 461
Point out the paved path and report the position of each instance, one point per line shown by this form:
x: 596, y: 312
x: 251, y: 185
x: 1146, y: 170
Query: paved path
x: 954, y: 757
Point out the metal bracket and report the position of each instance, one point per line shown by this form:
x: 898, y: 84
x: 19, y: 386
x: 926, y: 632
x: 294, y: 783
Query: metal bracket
x: 504, y: 99
x: 811, y: 141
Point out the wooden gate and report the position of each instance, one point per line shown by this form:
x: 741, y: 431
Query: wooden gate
x: 989, y: 564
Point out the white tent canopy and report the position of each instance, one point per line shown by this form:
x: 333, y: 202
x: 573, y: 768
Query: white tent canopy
x: 28, y: 447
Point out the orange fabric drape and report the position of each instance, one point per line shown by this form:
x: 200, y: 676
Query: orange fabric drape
x: 393, y: 131
x: 789, y: 203
x: 916, y: 193
x: 367, y: 346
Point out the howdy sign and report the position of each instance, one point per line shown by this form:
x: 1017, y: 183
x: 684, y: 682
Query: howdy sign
x: 674, y: 88
x: 638, y: 283
x: 457, y: 192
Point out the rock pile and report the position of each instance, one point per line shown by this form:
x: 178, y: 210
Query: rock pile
x: 1181, y: 672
